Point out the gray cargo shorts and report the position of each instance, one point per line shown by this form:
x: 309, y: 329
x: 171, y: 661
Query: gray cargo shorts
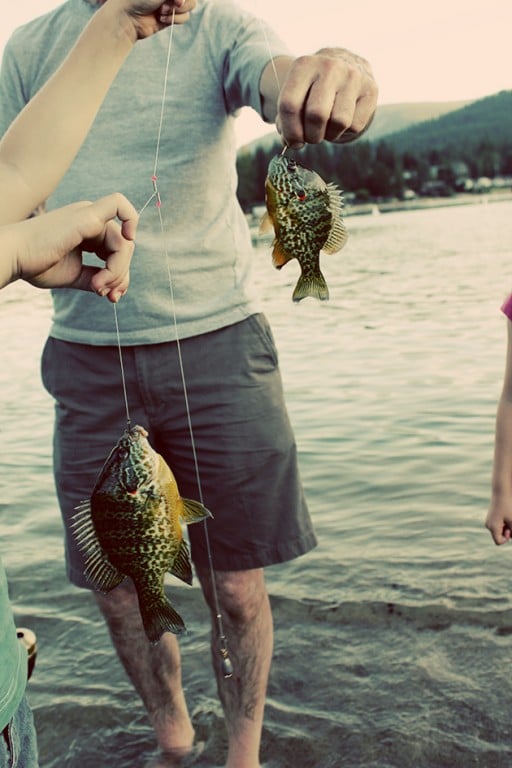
x: 244, y: 443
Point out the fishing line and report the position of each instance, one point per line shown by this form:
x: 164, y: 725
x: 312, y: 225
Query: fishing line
x: 274, y: 68
x: 226, y: 664
x: 123, y: 377
x: 271, y: 55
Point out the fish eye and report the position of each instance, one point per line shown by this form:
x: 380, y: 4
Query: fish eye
x: 123, y: 452
x: 301, y: 194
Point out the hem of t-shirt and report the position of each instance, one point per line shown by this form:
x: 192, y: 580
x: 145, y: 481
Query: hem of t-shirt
x: 160, y: 335
x: 19, y: 684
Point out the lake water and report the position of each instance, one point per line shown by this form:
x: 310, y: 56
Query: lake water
x: 394, y: 637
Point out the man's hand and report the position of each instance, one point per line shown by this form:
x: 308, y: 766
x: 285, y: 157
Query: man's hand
x: 49, y: 247
x: 330, y: 95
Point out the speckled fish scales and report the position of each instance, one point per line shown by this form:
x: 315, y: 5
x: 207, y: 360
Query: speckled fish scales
x: 306, y: 216
x: 131, y: 526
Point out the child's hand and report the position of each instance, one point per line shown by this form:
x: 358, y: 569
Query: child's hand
x: 49, y: 247
x: 499, y: 520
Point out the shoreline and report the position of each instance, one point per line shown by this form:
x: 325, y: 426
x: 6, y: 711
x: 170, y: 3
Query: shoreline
x: 391, y: 206
x: 420, y: 203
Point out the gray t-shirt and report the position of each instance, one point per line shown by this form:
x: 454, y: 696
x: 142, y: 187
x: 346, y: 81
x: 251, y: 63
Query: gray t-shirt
x: 217, y: 58
x: 13, y: 659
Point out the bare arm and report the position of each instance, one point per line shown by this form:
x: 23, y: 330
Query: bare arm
x: 329, y: 95
x: 39, y: 147
x: 499, y: 516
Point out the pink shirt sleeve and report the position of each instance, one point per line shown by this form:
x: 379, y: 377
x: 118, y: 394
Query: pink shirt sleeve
x: 506, y: 307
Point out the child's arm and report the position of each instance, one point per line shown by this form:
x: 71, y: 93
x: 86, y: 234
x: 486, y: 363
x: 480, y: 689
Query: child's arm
x: 43, y: 140
x: 499, y: 516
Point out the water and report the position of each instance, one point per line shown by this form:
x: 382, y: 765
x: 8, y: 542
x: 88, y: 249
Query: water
x: 393, y: 637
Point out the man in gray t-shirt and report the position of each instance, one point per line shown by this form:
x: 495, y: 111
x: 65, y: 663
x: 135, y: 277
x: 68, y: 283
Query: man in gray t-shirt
x: 209, y: 338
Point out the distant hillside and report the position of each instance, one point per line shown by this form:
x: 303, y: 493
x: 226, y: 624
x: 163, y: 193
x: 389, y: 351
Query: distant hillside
x: 484, y: 121
x: 436, y: 156
x: 391, y: 118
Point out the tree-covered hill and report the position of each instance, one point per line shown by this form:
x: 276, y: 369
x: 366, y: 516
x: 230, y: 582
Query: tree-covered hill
x: 488, y: 119
x: 431, y: 157
x: 391, y: 118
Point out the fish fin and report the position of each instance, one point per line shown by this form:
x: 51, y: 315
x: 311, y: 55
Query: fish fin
x: 311, y: 286
x: 98, y: 570
x: 338, y: 234
x: 193, y: 511
x: 266, y: 224
x: 101, y: 574
x: 160, y: 617
x: 279, y: 255
x: 181, y: 567
x: 84, y: 531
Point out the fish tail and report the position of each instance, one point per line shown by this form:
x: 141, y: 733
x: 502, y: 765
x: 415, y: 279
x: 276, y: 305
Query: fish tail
x: 311, y: 285
x: 159, y: 618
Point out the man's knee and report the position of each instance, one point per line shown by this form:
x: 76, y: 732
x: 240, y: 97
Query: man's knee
x: 242, y: 594
x: 120, y: 601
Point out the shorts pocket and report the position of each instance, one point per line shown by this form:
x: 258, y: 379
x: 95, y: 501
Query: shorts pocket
x: 48, y: 367
x: 260, y: 325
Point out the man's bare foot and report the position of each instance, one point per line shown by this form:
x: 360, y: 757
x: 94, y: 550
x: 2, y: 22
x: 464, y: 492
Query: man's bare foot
x: 177, y: 758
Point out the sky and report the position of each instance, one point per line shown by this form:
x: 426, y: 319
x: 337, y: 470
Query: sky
x: 441, y: 50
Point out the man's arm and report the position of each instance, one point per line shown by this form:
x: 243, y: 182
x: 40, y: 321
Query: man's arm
x: 41, y: 144
x: 329, y: 95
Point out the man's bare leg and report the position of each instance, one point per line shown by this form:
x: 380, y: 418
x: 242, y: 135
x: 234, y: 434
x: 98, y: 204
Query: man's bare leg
x: 155, y: 670
x: 247, y: 624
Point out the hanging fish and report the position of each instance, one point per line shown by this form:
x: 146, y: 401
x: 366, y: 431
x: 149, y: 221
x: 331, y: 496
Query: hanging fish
x: 131, y: 527
x: 306, y: 214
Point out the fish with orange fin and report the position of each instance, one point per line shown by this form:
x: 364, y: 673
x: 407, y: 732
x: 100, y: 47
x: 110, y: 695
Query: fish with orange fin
x: 306, y: 215
x: 131, y: 526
